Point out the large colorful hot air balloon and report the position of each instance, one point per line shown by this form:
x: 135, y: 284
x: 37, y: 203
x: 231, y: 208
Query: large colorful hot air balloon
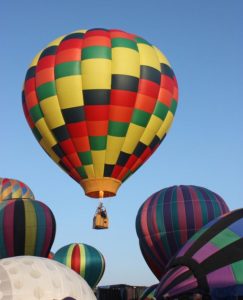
x: 13, y: 189
x: 100, y: 102
x: 212, y: 259
x: 83, y: 259
x: 168, y: 218
x: 27, y: 227
x: 28, y: 277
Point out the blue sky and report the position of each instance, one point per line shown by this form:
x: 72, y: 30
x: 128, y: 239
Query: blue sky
x: 203, y: 41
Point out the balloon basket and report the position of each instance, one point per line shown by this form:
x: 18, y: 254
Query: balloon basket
x: 100, y: 220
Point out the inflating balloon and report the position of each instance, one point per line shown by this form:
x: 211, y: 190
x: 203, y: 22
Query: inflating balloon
x: 211, y: 259
x: 13, y: 189
x: 100, y: 102
x: 28, y: 277
x: 168, y: 218
x: 148, y: 294
x: 27, y: 227
x: 87, y: 261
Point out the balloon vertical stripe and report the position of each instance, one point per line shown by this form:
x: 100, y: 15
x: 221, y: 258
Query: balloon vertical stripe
x: 9, y: 226
x: 40, y: 229
x: 50, y: 229
x: 83, y: 260
x: 170, y: 217
x: 30, y: 228
x: 75, y: 259
x: 198, y: 208
x: 3, y: 250
x: 181, y: 204
x: 66, y: 255
x: 174, y: 216
x: 189, y: 209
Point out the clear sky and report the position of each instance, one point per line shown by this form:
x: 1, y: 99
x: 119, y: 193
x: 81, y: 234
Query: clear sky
x: 203, y: 41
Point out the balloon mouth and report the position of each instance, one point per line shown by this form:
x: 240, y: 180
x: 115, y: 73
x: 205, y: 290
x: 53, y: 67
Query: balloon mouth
x: 94, y: 186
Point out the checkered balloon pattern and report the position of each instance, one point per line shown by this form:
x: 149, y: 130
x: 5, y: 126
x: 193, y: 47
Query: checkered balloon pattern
x: 100, y: 102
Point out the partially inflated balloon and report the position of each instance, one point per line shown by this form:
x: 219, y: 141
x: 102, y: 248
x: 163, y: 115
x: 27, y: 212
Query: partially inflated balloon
x: 83, y: 259
x: 27, y: 227
x: 168, y: 218
x: 28, y: 278
x: 13, y: 189
x: 148, y: 294
x: 100, y: 102
x: 211, y: 259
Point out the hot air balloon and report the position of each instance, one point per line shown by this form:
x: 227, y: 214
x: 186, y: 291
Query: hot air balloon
x: 100, y: 102
x: 149, y: 293
x: 27, y: 227
x: 13, y: 189
x: 168, y: 218
x: 28, y: 277
x: 211, y: 260
x: 87, y: 261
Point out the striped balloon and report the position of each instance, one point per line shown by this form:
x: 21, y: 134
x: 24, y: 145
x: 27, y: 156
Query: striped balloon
x: 83, y: 259
x: 13, y: 189
x: 212, y: 260
x: 168, y: 218
x: 27, y: 227
x: 100, y: 102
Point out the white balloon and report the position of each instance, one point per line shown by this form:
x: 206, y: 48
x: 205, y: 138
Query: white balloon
x: 38, y: 278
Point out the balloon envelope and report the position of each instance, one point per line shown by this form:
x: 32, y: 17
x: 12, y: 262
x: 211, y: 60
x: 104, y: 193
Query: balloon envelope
x: 27, y: 227
x: 100, y: 102
x: 28, y: 277
x: 13, y: 189
x: 149, y: 293
x: 87, y: 261
x: 168, y: 218
x: 211, y: 260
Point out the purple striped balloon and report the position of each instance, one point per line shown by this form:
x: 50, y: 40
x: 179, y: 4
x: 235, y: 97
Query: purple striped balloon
x: 168, y: 218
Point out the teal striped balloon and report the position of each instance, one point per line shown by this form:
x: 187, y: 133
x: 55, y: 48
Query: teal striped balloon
x: 83, y: 259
